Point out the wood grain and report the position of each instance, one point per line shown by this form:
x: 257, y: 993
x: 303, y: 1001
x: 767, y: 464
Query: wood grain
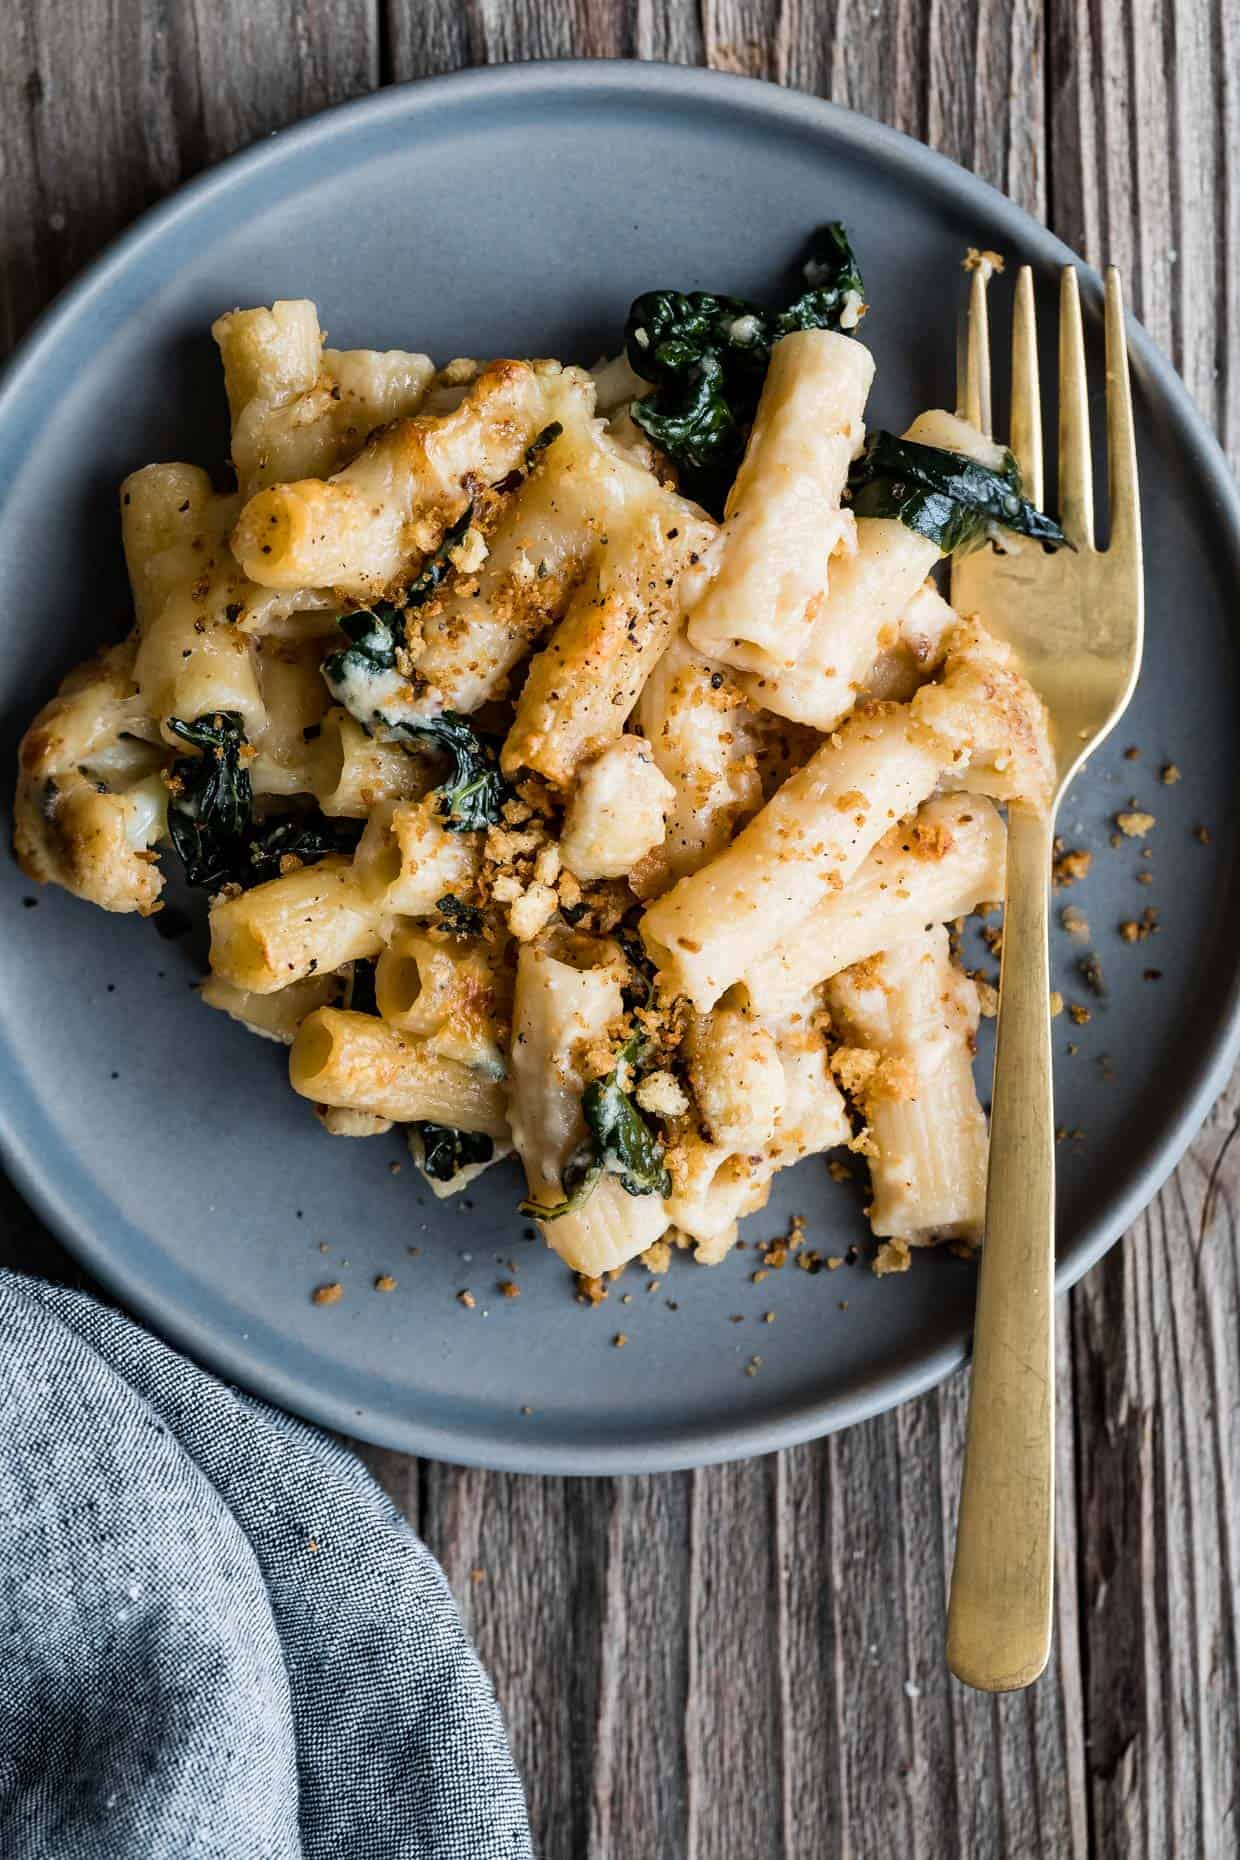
x: 746, y: 1661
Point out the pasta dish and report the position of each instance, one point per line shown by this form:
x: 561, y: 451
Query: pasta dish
x: 580, y: 764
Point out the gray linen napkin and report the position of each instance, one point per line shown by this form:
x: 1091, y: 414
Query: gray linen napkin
x: 217, y: 1636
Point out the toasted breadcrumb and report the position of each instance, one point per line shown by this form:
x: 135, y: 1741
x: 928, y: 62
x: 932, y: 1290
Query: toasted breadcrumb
x: 327, y: 1294
x: 1202, y: 835
x: 619, y: 1340
x: 893, y: 1256
x: 662, y: 1094
x: 838, y: 1171
x: 590, y: 1291
x: 1074, y: 922
x: 385, y: 1282
x: 1070, y: 865
x: 1169, y: 774
x: 1135, y: 824
x: 657, y: 1258
x: 1081, y: 1015
x: 531, y: 912
x: 467, y: 1299
x: 509, y: 1288
x: 1056, y: 1004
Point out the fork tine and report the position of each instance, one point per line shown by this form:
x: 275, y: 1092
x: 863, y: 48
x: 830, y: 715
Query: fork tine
x: 1026, y: 440
x: 973, y: 365
x: 1076, y: 477
x: 1122, y: 494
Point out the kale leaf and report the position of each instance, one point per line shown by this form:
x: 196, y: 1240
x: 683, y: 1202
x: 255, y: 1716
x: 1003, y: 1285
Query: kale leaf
x: 475, y: 792
x: 638, y: 991
x: 835, y: 283
x: 304, y: 837
x: 460, y: 918
x: 446, y: 1151
x: 210, y: 798
x: 618, y: 1142
x: 538, y: 445
x: 948, y: 498
x: 365, y: 674
x: 376, y: 634
x: 210, y: 812
x: 707, y: 356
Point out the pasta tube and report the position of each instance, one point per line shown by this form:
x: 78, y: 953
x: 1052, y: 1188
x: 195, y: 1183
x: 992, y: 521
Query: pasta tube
x: 698, y: 727
x: 298, y: 410
x: 563, y: 1003
x: 303, y: 923
x: 583, y: 685
x: 981, y: 726
x: 910, y: 1017
x: 272, y: 1017
x: 783, y: 516
x: 710, y: 928
x: 941, y: 864
x: 477, y: 632
x: 89, y: 804
x: 449, y: 994
x: 356, y: 1062
x: 360, y: 531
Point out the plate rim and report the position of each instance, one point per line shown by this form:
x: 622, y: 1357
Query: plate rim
x: 806, y: 1420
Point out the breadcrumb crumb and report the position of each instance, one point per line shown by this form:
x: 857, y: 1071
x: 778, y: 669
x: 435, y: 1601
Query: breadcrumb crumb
x: 1070, y: 865
x: 893, y: 1256
x: 327, y: 1294
x: 385, y: 1282
x: 1135, y: 824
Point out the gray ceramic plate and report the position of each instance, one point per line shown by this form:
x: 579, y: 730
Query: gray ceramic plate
x: 520, y: 210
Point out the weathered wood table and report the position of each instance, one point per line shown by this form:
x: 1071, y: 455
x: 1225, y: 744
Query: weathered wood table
x: 746, y: 1663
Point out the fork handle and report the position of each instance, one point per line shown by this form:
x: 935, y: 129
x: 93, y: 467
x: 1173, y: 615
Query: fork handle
x: 999, y: 1615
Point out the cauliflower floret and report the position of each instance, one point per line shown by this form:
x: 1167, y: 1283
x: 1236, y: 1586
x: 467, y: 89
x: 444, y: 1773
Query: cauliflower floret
x: 617, y: 813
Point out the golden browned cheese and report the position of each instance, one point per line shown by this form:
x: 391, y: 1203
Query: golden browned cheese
x: 69, y: 827
x: 583, y: 685
x: 364, y: 531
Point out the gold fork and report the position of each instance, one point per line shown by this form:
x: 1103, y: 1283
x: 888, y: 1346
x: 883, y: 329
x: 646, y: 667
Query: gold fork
x: 1075, y: 620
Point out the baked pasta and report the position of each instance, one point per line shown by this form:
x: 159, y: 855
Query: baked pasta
x: 580, y: 764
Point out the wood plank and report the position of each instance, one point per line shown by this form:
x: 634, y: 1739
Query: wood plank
x: 734, y: 1718
x: 107, y: 105
x: 527, y: 1559
x: 1145, y: 176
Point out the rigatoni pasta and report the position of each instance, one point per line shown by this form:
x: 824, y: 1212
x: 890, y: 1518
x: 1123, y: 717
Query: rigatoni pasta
x: 580, y: 765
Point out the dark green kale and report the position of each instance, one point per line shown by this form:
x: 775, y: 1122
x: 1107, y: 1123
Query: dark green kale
x: 210, y: 798
x: 304, y: 837
x: 538, y: 445
x: 618, y: 1142
x: 638, y: 991
x: 460, y: 918
x: 376, y: 634
x: 835, y: 284
x: 210, y: 812
x: 445, y: 1151
x: 360, y: 996
x: 952, y: 500
x: 707, y: 356
x: 438, y: 565
x: 475, y: 792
